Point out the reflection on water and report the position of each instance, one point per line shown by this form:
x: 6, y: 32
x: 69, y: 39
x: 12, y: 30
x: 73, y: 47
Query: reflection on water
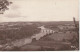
x: 44, y: 31
x: 22, y: 42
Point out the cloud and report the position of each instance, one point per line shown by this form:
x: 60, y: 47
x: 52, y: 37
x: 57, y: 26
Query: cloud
x: 15, y: 7
x: 12, y: 15
x: 42, y: 10
x: 13, y: 12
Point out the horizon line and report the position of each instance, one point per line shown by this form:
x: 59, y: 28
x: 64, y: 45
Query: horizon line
x: 38, y: 21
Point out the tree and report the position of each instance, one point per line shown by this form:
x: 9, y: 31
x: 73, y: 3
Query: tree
x: 4, y: 5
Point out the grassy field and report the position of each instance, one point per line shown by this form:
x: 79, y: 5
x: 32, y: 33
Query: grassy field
x: 62, y: 36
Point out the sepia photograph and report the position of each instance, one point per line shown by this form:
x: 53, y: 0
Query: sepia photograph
x: 39, y: 25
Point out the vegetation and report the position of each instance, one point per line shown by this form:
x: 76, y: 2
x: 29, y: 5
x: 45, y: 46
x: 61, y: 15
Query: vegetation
x: 4, y: 5
x: 19, y: 30
x: 13, y: 34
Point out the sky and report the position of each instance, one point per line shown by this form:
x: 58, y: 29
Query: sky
x: 41, y: 10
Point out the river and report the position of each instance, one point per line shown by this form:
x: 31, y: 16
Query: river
x: 44, y: 31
